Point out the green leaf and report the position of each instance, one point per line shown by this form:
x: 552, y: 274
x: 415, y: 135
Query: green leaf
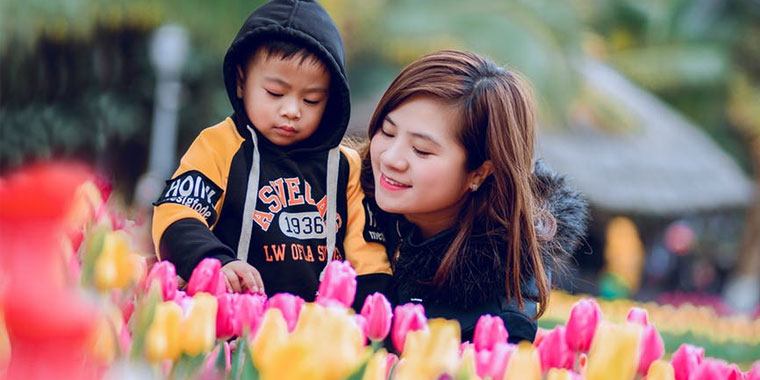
x: 93, y: 246
x: 145, y: 310
x: 242, y: 364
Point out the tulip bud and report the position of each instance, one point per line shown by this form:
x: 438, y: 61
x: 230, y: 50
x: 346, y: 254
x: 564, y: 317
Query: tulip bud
x: 686, y: 359
x: 164, y: 274
x: 553, y: 350
x: 289, y: 305
x: 581, y: 326
x: 754, y: 372
x: 227, y: 316
x: 492, y: 363
x: 638, y: 315
x: 614, y: 352
x: 199, y: 326
x: 407, y: 318
x: 559, y: 374
x: 524, y: 363
x: 251, y: 308
x: 713, y: 369
x: 271, y: 335
x: 660, y: 370
x: 651, y: 348
x: 207, y: 277
x: 338, y: 284
x: 114, y: 268
x: 489, y: 331
x: 162, y: 341
x: 378, y: 315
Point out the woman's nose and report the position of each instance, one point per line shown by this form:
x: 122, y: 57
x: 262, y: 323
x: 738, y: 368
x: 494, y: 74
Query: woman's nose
x: 393, y: 158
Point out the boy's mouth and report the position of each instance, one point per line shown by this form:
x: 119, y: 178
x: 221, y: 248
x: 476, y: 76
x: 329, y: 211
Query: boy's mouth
x: 285, y: 130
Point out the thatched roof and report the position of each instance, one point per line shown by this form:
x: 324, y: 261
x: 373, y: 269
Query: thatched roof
x: 666, y: 165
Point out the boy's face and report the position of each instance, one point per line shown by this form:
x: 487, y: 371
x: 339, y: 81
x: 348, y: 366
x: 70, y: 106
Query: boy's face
x: 284, y: 98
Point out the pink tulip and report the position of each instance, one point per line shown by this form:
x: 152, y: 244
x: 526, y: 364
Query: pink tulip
x: 390, y: 361
x: 493, y: 363
x: 164, y: 274
x: 361, y: 322
x: 685, y: 360
x: 714, y: 369
x: 378, y: 314
x: 581, y: 326
x: 227, y: 315
x: 408, y: 317
x: 754, y: 372
x: 338, y: 285
x: 638, y: 315
x: 251, y: 308
x: 554, y: 352
x: 289, y: 305
x: 207, y: 277
x: 651, y: 348
x: 489, y: 331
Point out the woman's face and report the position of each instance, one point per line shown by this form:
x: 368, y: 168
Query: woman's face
x: 418, y: 162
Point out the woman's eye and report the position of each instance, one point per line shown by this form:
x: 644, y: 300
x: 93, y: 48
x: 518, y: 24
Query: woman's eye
x: 386, y: 133
x: 276, y: 95
x: 421, y: 153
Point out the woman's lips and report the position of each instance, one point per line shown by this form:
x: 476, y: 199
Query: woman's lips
x: 390, y: 184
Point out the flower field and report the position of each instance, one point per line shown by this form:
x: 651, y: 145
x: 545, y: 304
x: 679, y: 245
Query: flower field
x: 80, y: 301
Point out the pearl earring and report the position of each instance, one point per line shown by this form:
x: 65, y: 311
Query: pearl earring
x: 474, y: 187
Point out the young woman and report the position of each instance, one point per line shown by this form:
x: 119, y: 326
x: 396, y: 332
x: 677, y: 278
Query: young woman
x: 472, y: 224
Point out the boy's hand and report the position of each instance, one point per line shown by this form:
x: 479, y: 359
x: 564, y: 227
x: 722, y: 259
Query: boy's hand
x: 239, y: 276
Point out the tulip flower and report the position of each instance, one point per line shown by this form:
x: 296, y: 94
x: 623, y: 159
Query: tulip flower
x: 493, y: 363
x: 553, y: 350
x: 227, y: 315
x: 524, y: 363
x: 686, y: 359
x: 163, y: 274
x: 660, y: 370
x: 713, y: 369
x: 559, y: 374
x: 378, y: 315
x: 377, y: 366
x: 614, y: 352
x: 163, y: 338
x: 114, y: 268
x: 289, y: 305
x: 338, y: 285
x: 489, y: 331
x: 651, y: 348
x: 638, y: 315
x: 754, y: 372
x: 207, y: 277
x: 582, y: 324
x: 272, y: 333
x: 431, y: 352
x: 199, y: 326
x: 408, y: 317
x: 251, y: 309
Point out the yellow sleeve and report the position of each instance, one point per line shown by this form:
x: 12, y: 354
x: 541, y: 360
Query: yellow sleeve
x: 366, y: 257
x: 205, y: 166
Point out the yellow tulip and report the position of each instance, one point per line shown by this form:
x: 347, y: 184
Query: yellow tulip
x: 614, y: 352
x: 272, y: 333
x: 660, y: 370
x: 199, y: 326
x: 558, y: 374
x: 467, y: 368
x: 432, y: 352
x: 524, y: 363
x: 163, y: 338
x: 114, y: 268
x: 376, y: 368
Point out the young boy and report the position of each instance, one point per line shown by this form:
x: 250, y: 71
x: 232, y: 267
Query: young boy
x: 269, y: 191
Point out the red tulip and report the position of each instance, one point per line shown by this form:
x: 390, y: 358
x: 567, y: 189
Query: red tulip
x: 714, y: 369
x: 686, y: 359
x: 207, y: 277
x: 554, y: 352
x: 581, y: 326
x: 407, y: 318
x: 493, y: 363
x: 651, y: 348
x: 489, y: 331
x: 251, y: 309
x: 164, y: 274
x: 289, y: 305
x: 378, y: 314
x: 338, y: 284
x: 638, y: 315
x: 227, y: 315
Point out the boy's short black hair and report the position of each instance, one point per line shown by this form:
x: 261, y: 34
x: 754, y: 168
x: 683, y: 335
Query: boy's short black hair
x: 282, y: 49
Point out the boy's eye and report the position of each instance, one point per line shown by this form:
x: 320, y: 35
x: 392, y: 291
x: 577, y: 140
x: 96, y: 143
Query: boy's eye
x: 312, y: 102
x: 275, y: 94
x: 421, y: 153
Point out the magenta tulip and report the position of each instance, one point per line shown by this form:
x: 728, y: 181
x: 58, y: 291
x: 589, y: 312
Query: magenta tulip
x: 581, y: 326
x: 378, y: 315
x: 207, y: 277
x: 338, y: 285
x: 638, y: 315
x: 553, y: 350
x: 227, y: 316
x: 685, y: 360
x: 289, y: 305
x: 754, y: 372
x: 715, y: 369
x: 489, y: 331
x: 408, y: 317
x: 251, y: 308
x: 493, y: 363
x: 164, y: 274
x: 651, y: 348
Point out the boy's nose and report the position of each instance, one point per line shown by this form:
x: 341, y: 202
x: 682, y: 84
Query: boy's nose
x: 290, y: 110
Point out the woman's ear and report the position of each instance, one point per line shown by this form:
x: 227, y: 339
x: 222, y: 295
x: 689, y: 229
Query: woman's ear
x: 240, y: 85
x: 479, y: 175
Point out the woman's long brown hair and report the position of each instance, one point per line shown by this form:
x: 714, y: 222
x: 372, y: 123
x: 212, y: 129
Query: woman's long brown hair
x: 497, y: 119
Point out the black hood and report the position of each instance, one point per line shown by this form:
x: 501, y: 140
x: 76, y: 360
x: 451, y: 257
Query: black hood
x: 307, y: 24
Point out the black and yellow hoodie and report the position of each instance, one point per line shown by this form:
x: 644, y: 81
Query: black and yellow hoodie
x: 237, y: 196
